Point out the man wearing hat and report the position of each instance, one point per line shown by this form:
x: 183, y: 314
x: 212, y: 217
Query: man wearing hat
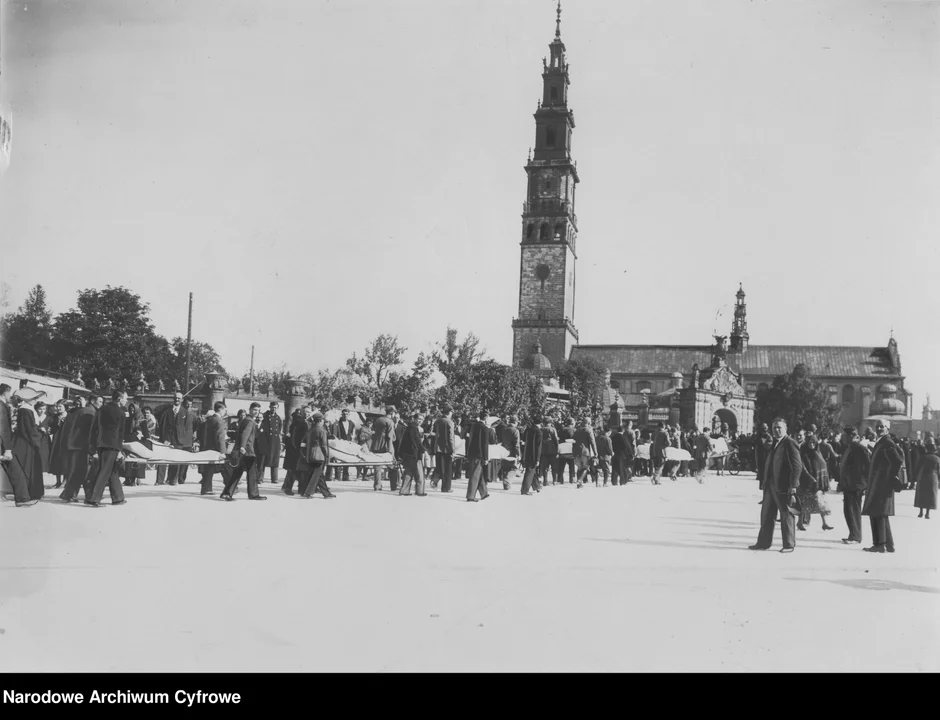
x: 105, y: 442
x: 272, y: 426
x: 27, y: 440
x: 244, y: 453
x: 10, y: 465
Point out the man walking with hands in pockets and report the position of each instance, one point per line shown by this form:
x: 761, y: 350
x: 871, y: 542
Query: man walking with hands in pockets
x: 781, y: 482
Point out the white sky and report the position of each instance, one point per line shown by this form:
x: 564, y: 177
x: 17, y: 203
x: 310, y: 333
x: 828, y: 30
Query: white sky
x: 318, y: 173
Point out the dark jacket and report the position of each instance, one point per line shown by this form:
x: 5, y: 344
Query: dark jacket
x: 132, y: 418
x: 317, y: 437
x: 784, y: 466
x: 479, y: 440
x: 605, y: 447
x: 854, y: 468
x: 107, y: 429
x: 81, y: 429
x: 178, y: 429
x: 213, y: 435
x: 532, y: 446
x: 584, y: 442
x: 444, y: 436
x: 383, y: 435
x: 660, y: 443
x: 886, y: 461
x: 412, y: 442
x: 247, y: 434
x: 345, y: 431
x: 549, y: 440
x: 510, y: 440
x: 6, y: 427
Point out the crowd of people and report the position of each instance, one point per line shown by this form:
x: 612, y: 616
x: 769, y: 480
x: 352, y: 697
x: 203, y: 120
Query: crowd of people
x: 81, y: 443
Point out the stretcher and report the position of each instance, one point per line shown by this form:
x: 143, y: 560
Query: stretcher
x: 497, y: 452
x: 348, y: 454
x: 165, y: 455
x: 672, y: 454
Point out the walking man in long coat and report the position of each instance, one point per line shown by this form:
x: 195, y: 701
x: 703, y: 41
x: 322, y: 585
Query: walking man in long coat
x: 886, y: 462
x: 244, y: 453
x: 105, y: 442
x: 531, y: 456
x: 444, y: 447
x: 478, y: 455
x: 272, y: 426
x: 781, y: 482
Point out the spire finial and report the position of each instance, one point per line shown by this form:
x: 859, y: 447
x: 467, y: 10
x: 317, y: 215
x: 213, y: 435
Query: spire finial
x: 558, y: 21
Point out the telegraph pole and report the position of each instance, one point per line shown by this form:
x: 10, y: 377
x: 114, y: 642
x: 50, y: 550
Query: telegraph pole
x: 251, y: 374
x: 189, y: 342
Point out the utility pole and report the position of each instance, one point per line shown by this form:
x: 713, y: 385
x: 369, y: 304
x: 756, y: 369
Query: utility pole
x: 189, y: 342
x: 251, y: 374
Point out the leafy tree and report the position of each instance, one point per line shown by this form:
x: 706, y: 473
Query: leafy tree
x: 110, y: 335
x: 494, y: 387
x: 410, y: 390
x: 799, y: 400
x: 383, y: 355
x: 452, y: 354
x: 202, y: 359
x: 26, y: 335
x: 584, y: 378
x: 335, y: 388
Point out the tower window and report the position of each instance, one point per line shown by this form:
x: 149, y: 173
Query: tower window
x: 550, y: 137
x: 554, y: 95
x: 548, y: 186
x: 848, y: 395
x: 559, y: 233
x: 530, y: 231
x: 543, y: 233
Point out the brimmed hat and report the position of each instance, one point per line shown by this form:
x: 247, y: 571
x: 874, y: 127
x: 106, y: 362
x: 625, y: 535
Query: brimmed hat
x: 317, y: 416
x: 28, y: 394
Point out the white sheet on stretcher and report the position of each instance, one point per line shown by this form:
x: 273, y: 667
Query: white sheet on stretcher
x: 497, y: 452
x: 137, y: 452
x: 672, y: 454
x: 343, y: 451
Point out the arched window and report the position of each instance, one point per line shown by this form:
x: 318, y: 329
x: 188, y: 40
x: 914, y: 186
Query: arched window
x: 530, y: 232
x: 550, y: 137
x: 644, y: 385
x: 848, y: 394
x: 554, y: 95
x: 543, y: 233
x: 559, y: 233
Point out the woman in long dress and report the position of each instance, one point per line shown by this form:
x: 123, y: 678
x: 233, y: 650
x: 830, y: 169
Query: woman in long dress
x: 927, y: 475
x: 815, y: 476
x: 27, y: 441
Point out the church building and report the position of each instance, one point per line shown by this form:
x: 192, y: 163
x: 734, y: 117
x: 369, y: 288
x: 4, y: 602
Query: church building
x: 864, y: 380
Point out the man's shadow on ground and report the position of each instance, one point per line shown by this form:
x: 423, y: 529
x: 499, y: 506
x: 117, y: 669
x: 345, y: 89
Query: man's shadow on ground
x: 872, y: 584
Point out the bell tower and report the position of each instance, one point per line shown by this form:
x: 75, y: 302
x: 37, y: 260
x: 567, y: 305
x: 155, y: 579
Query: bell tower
x: 739, y: 336
x: 549, y: 223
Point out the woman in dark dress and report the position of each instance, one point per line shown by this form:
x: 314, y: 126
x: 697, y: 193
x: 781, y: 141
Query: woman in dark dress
x: 815, y: 476
x: 927, y: 477
x: 27, y: 441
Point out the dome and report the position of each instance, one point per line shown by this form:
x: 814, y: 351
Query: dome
x: 537, y: 362
x: 887, y: 406
x: 888, y: 388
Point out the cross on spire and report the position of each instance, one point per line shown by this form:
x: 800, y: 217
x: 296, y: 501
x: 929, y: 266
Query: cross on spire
x: 558, y: 21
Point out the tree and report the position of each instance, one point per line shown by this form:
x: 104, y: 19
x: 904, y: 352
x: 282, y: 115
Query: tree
x: 382, y: 355
x: 493, y: 387
x: 26, y: 335
x: 799, y: 400
x: 110, y: 335
x: 452, y: 355
x: 585, y: 379
x: 202, y: 359
x: 410, y: 390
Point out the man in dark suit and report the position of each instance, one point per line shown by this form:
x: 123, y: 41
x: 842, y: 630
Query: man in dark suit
x: 77, y: 447
x: 478, y: 455
x: 781, y: 482
x: 244, y: 452
x: 411, y: 452
x: 344, y: 429
x: 444, y: 447
x: 565, y: 433
x: 883, y: 481
x: 105, y: 443
x: 658, y: 451
x: 531, y: 456
x: 383, y: 441
x: 853, y: 471
x: 13, y: 470
x: 213, y: 437
x: 176, y: 429
x: 272, y: 427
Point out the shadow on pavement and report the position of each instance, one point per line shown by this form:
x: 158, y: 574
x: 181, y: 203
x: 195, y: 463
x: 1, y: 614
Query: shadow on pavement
x: 710, y: 545
x: 718, y: 522
x: 863, y: 584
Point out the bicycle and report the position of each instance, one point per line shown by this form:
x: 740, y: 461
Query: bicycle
x: 734, y: 463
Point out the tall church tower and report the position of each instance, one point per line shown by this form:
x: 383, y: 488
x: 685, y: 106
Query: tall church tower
x: 739, y: 336
x: 549, y: 224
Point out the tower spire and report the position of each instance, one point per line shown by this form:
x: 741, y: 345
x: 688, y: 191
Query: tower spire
x: 558, y: 20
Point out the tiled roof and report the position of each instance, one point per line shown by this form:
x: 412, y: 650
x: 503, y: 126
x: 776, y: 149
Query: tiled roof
x: 822, y: 360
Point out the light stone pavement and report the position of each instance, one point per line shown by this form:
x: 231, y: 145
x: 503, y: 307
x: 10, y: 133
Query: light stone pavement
x: 635, y: 578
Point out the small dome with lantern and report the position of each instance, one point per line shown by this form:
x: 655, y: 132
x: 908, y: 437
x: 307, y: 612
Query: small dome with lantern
x: 537, y: 363
x: 887, y: 403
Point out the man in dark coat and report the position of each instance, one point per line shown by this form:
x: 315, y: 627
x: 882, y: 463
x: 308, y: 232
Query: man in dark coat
x: 478, y: 455
x: 762, y: 443
x: 213, y: 437
x: 394, y: 474
x: 244, y: 453
x: 444, y: 436
x: 176, y: 429
x: 299, y: 436
x: 344, y: 429
x: 531, y: 456
x: 79, y: 455
x: 549, y: 457
x: 854, y: 467
x: 411, y: 452
x: 605, y: 453
x: 658, y: 451
x: 272, y: 426
x: 620, y: 462
x: 293, y: 440
x: 509, y: 440
x: 886, y: 461
x: 383, y: 441
x: 781, y: 481
x: 12, y: 468
x: 565, y: 433
x: 105, y: 443
x: 132, y: 417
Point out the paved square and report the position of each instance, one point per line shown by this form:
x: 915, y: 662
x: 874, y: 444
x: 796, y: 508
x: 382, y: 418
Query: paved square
x: 638, y: 578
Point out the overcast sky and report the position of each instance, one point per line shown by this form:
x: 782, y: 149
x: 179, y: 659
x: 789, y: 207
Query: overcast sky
x: 317, y: 173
